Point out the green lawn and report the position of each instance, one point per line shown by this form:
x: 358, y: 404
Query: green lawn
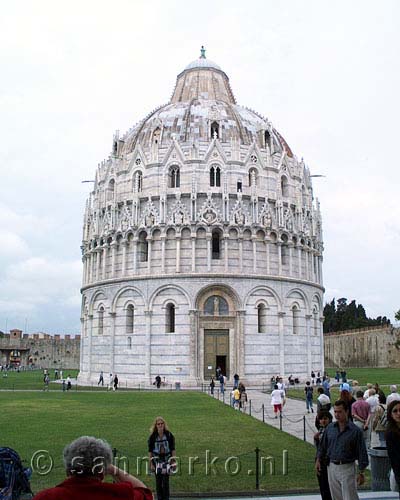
x: 47, y: 421
x: 30, y: 379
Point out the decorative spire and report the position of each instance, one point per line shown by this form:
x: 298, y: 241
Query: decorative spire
x: 202, y: 52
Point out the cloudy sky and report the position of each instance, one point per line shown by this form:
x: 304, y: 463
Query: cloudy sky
x: 325, y: 73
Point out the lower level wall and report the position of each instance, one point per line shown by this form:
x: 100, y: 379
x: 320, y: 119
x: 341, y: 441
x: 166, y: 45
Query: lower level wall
x: 366, y: 347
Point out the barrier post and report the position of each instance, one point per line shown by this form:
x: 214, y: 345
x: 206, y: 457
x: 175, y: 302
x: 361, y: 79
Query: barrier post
x: 257, y: 450
x: 280, y: 421
x: 263, y: 413
x: 250, y: 407
x: 304, y: 428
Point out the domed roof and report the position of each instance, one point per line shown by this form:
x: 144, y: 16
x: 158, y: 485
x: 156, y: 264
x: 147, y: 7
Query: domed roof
x: 202, y: 62
x: 202, y: 95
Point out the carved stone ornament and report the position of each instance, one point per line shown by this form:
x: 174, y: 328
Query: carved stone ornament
x: 125, y: 218
x: 239, y: 213
x: 266, y: 218
x: 150, y: 215
x: 178, y: 214
x: 107, y: 223
x: 288, y: 220
x: 209, y: 212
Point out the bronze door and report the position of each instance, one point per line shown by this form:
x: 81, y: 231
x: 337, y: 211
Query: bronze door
x: 216, y: 352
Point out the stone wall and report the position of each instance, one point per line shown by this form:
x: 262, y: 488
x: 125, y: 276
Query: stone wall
x: 365, y: 347
x: 43, y: 350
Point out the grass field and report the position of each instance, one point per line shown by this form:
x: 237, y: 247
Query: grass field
x: 30, y: 379
x: 383, y: 376
x: 34, y: 421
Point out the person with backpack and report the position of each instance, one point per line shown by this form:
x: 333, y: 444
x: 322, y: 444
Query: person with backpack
x: 379, y: 422
x: 14, y: 478
x: 309, y: 392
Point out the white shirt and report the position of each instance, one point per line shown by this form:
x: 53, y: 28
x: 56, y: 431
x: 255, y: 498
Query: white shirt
x: 373, y: 402
x: 276, y: 397
x: 394, y: 396
x: 366, y: 394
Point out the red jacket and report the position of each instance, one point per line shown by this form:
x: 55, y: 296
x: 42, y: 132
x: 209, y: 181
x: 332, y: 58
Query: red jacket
x: 89, y: 488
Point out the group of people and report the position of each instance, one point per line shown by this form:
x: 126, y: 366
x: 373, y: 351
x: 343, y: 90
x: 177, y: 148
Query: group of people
x: 341, y: 444
x: 66, y: 384
x: 88, y: 461
x: 112, y: 381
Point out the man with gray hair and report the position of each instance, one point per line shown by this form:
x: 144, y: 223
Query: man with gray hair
x: 87, y: 462
x: 393, y: 396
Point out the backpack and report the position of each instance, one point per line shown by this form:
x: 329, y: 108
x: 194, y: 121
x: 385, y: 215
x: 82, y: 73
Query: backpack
x: 380, y: 422
x: 14, y: 478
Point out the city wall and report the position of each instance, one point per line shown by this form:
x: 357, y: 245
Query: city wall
x: 40, y: 349
x: 364, y: 347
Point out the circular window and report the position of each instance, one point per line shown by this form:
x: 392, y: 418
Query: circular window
x: 253, y: 159
x: 138, y: 161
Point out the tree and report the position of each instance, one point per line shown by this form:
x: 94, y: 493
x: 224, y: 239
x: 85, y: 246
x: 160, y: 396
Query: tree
x: 397, y: 316
x: 344, y: 316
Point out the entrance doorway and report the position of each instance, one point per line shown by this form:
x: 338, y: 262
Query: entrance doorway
x: 221, y: 362
x: 216, y: 352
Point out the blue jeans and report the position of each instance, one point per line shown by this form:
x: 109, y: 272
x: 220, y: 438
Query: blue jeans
x: 309, y: 403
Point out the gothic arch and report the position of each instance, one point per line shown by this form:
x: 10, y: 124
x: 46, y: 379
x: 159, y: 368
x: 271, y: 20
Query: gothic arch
x: 225, y: 291
x: 267, y: 289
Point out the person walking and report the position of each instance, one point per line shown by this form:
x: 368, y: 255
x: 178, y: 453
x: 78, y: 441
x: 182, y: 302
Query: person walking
x: 324, y: 418
x: 212, y: 386
x: 392, y: 437
x: 115, y: 382
x: 277, y: 400
x: 309, y: 392
x: 343, y: 444
x: 361, y: 412
x: 161, y: 445
x: 101, y: 379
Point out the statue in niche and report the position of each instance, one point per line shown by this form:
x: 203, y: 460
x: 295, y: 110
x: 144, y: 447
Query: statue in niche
x: 288, y: 220
x: 178, y: 218
x: 216, y: 306
x: 107, y: 222
x: 267, y: 220
x: 149, y: 220
x: 239, y: 217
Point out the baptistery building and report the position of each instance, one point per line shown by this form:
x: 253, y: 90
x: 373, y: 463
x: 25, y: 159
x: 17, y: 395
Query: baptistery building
x: 202, y: 246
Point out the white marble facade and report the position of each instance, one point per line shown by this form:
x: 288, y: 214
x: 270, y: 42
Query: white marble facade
x: 202, y: 246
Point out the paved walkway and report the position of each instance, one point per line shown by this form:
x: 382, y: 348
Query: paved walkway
x: 368, y: 495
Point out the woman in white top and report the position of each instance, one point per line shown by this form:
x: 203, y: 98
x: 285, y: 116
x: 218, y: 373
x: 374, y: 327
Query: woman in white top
x: 277, y: 400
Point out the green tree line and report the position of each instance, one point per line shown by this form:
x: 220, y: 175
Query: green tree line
x: 341, y: 316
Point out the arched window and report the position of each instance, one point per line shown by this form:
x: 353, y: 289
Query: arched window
x: 253, y: 177
x: 214, y: 130
x: 130, y: 318
x: 156, y: 135
x: 216, y: 306
x: 262, y: 318
x: 111, y: 190
x: 138, y: 182
x: 129, y: 342
x: 174, y: 177
x: 215, y: 176
x: 284, y: 186
x: 170, y: 318
x: 296, y: 319
x: 100, y: 321
x: 216, y: 245
x: 267, y: 139
x: 143, y: 247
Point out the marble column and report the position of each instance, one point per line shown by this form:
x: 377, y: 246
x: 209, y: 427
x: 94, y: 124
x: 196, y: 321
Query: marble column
x: 300, y: 263
x: 254, y: 242
x: 112, y: 341
x: 193, y: 238
x: 97, y: 253
x: 178, y: 253
x: 267, y: 256
x: 163, y: 237
x: 308, y: 344
x: 104, y: 261
x: 279, y: 246
x: 135, y: 252
x: 147, y: 373
x: 193, y: 368
x: 290, y: 259
x: 149, y: 240
x: 89, y: 350
x: 226, y: 253
x: 240, y: 253
x: 114, y: 245
x: 208, y: 236
x: 240, y: 344
x: 124, y: 244
x: 281, y: 327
